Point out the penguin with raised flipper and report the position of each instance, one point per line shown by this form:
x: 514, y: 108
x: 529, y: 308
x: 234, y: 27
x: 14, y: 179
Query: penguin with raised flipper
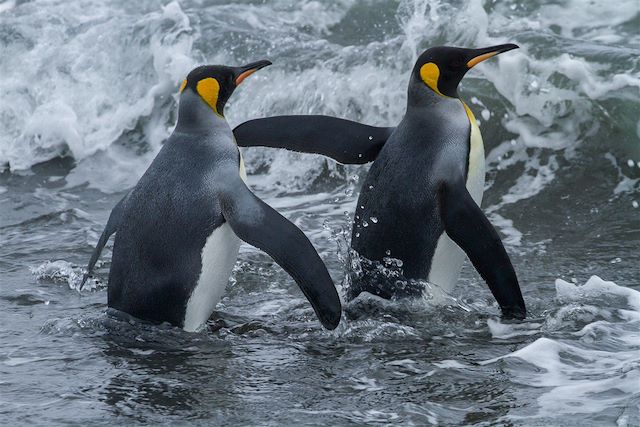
x: 178, y: 231
x: 420, y: 202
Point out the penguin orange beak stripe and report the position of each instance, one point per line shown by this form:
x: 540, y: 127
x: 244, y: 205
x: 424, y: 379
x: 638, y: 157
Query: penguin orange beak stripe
x: 484, y: 54
x: 249, y: 69
x: 480, y: 58
x: 244, y: 75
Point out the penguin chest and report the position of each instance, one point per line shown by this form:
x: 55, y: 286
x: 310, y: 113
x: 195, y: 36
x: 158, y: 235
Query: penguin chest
x: 218, y: 257
x: 475, y: 174
x: 448, y: 257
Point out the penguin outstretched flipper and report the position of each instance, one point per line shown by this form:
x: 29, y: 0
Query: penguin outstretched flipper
x: 470, y: 229
x: 112, y: 225
x: 343, y: 140
x: 259, y: 225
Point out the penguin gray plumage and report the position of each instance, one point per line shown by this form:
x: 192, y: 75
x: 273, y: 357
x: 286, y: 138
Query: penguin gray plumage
x: 179, y: 229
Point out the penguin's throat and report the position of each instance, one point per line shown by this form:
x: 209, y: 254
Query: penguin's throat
x: 196, y: 115
x: 423, y: 98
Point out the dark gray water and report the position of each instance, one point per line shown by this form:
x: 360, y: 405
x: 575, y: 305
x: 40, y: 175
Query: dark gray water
x: 87, y: 95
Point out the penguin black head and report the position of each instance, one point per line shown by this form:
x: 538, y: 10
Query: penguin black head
x: 441, y: 68
x: 216, y: 83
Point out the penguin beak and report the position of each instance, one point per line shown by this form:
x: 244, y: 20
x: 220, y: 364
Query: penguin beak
x: 479, y: 55
x: 245, y: 71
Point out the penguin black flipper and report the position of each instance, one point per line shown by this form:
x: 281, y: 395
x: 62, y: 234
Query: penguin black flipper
x: 470, y: 229
x: 112, y: 226
x: 343, y: 140
x: 259, y: 225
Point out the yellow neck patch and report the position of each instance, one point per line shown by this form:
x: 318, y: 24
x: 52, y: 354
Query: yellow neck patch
x: 208, y: 89
x: 472, y: 118
x: 183, y: 85
x: 430, y: 73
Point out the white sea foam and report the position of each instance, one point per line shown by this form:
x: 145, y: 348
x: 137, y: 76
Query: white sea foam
x: 626, y: 185
x: 60, y: 271
x: 501, y: 330
x: 586, y: 376
x: 105, y: 91
x: 77, y: 92
x: 81, y: 80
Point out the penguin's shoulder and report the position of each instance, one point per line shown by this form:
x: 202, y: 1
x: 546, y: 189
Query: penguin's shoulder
x: 187, y: 174
x: 196, y: 157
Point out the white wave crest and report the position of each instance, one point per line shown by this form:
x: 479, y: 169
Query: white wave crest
x: 590, y: 375
x: 85, y: 77
x: 84, y: 74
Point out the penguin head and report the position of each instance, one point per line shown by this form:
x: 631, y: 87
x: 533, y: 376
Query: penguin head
x: 215, y: 83
x: 441, y: 68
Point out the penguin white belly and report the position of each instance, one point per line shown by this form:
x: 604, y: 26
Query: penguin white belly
x: 448, y: 257
x: 218, y: 257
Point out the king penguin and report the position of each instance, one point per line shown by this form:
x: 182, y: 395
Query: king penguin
x: 419, y: 207
x: 178, y: 231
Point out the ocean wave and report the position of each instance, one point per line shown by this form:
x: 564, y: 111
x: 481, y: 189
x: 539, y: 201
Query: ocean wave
x: 105, y: 76
x: 80, y: 75
x: 596, y: 373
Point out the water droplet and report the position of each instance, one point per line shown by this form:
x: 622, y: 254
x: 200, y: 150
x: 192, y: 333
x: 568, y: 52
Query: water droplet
x: 634, y: 204
x: 388, y: 252
x: 359, y: 155
x: 630, y: 163
x: 365, y: 224
x: 615, y: 260
x: 361, y: 206
x: 370, y: 138
x: 357, y: 234
x: 374, y: 219
x: 371, y: 186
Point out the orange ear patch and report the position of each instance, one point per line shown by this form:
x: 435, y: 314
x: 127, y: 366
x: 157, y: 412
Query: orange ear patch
x: 430, y: 73
x: 208, y: 89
